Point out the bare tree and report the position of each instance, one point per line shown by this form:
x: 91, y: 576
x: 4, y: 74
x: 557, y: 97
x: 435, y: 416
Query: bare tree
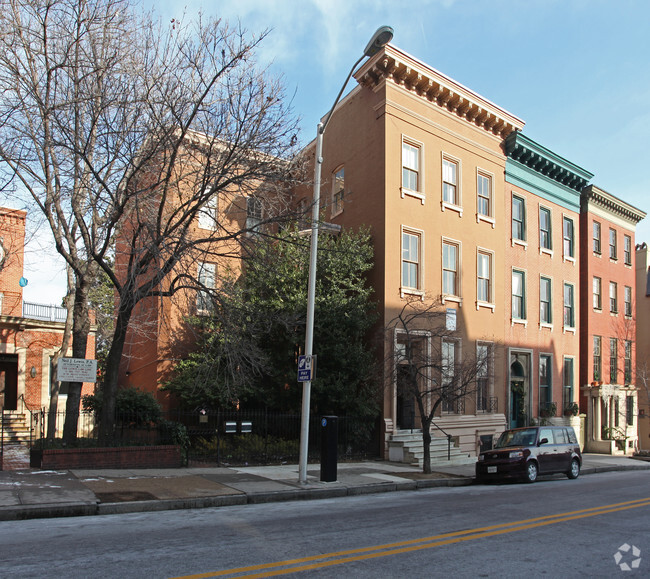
x: 123, y: 131
x: 428, y: 366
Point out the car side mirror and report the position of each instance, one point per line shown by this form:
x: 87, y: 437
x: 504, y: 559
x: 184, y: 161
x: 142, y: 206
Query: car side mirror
x: 543, y: 441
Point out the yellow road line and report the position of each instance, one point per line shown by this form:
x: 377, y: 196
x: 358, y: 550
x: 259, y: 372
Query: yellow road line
x: 365, y: 553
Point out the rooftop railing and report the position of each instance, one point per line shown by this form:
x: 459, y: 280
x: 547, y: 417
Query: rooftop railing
x: 44, y: 312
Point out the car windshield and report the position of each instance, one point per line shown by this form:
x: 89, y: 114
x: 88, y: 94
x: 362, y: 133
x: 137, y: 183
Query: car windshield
x: 524, y: 437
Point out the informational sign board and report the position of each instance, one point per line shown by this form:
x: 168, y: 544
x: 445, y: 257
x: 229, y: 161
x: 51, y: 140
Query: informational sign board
x: 306, y: 368
x: 76, y: 370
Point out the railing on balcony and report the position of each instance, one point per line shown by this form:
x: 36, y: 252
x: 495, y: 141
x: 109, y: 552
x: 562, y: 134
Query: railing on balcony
x: 47, y: 313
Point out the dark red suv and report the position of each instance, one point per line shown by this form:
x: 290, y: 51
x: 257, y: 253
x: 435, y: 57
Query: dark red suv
x: 525, y: 453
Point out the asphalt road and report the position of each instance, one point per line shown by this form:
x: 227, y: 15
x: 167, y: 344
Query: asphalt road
x: 554, y: 528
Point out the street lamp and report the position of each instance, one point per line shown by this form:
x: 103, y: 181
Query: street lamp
x: 380, y: 38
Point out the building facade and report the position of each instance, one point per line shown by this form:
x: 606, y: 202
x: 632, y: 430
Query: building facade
x: 608, y: 327
x: 30, y: 334
x: 468, y: 212
x: 642, y: 311
x: 542, y: 265
x: 471, y: 216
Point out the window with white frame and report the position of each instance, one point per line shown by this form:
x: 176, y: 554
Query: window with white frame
x: 518, y: 295
x: 597, y: 293
x: 569, y: 306
x: 598, y: 359
x: 627, y: 297
x: 567, y: 386
x: 627, y: 250
x: 450, y: 268
x: 545, y: 238
x: 613, y: 360
x: 613, y: 297
x: 253, y: 215
x: 568, y: 237
x: 484, y: 195
x: 596, y: 238
x: 628, y: 362
x: 484, y: 291
x: 484, y: 356
x: 208, y: 213
x: 206, y: 278
x: 450, y: 182
x: 411, y: 264
x: 613, y: 250
x: 629, y: 410
x: 411, y: 178
x: 518, y: 218
x: 545, y: 381
x: 545, y: 301
x: 449, y: 358
x: 338, y: 191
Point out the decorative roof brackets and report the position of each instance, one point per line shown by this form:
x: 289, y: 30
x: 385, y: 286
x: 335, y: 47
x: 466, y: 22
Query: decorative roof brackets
x: 593, y: 194
x: 542, y: 160
x: 426, y: 82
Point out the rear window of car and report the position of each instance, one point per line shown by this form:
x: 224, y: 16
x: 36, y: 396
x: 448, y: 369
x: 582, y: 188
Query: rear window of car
x: 561, y: 436
x: 572, y: 436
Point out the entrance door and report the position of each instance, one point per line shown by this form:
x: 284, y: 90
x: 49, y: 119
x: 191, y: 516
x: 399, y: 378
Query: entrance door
x: 9, y: 382
x: 516, y: 405
x: 405, y: 401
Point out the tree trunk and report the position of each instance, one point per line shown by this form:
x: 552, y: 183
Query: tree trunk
x: 55, y: 385
x: 426, y: 441
x: 111, y: 370
x: 80, y: 331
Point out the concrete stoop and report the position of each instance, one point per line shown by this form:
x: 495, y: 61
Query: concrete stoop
x: 15, y: 427
x: 406, y: 446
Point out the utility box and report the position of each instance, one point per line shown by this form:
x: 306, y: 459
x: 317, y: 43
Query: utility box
x: 329, y: 448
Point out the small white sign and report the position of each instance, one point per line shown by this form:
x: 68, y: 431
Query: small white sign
x: 76, y: 370
x: 451, y: 319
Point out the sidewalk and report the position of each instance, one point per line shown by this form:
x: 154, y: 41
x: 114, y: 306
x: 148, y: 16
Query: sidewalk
x: 30, y: 493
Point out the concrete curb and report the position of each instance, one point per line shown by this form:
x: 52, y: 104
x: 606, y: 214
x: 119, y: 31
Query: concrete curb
x: 48, y: 511
x: 170, y: 504
x: 333, y: 490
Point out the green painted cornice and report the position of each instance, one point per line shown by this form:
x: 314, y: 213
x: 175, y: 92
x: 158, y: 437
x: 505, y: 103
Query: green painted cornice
x: 541, y: 185
x: 540, y: 160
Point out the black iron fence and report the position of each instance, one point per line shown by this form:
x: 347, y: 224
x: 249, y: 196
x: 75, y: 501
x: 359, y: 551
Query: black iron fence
x: 222, y: 437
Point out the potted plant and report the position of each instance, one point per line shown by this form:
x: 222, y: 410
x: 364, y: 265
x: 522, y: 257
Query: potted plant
x: 548, y: 410
x: 572, y: 409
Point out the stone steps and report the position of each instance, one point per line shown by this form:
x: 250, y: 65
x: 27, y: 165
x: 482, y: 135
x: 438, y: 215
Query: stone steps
x: 407, y: 446
x: 15, y: 427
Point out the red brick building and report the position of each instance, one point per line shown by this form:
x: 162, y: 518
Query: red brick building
x: 608, y: 326
x: 30, y: 334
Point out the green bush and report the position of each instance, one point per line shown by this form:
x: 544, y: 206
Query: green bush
x: 131, y: 405
x: 249, y: 447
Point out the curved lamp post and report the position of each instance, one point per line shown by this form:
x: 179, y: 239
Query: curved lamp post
x: 379, y: 39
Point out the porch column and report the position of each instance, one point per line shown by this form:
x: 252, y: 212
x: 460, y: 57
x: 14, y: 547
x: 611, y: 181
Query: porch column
x: 597, y: 417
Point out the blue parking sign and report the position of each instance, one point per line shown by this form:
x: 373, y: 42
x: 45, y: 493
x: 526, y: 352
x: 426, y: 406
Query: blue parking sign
x: 305, y: 368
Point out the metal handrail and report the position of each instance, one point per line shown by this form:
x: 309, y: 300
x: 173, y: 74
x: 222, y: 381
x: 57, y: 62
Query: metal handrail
x: 449, y: 437
x: 25, y: 405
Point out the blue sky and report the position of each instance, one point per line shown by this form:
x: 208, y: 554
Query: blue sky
x: 576, y: 71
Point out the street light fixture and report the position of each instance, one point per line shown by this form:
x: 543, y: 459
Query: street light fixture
x: 380, y: 38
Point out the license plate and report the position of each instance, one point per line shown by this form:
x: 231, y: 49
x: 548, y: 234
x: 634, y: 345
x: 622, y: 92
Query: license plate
x: 492, y: 469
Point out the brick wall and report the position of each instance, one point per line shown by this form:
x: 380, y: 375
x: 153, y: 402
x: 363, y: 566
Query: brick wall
x: 124, y: 457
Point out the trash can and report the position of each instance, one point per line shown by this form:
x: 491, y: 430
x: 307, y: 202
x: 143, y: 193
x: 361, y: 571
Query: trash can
x: 328, y: 448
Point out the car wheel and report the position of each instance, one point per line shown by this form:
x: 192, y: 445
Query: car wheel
x: 531, y: 472
x: 574, y: 471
